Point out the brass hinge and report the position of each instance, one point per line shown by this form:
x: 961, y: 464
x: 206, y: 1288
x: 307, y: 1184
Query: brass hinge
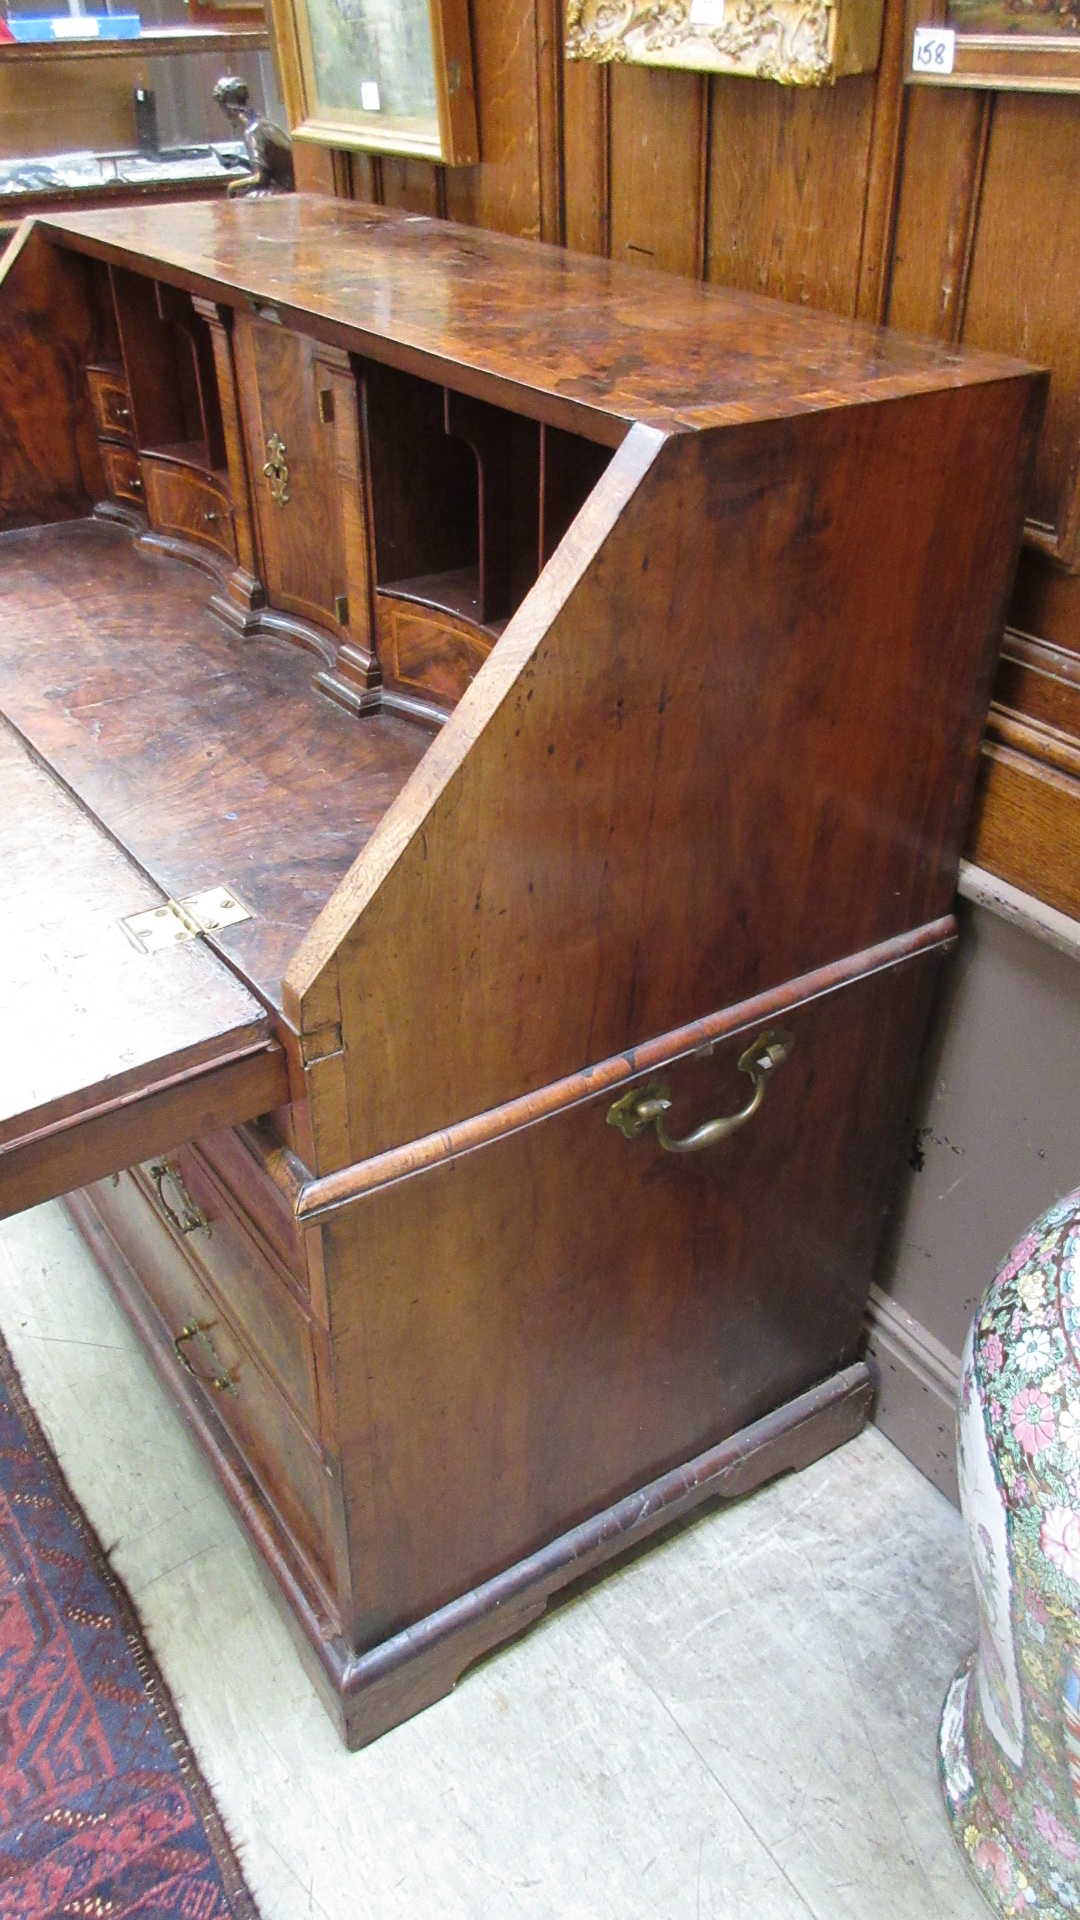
x: 341, y: 609
x: 181, y: 920
x: 326, y: 406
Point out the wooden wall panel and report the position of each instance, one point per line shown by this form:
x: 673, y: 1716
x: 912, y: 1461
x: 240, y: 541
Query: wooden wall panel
x: 1024, y: 287
x: 549, y: 114
x: 364, y: 177
x: 322, y: 169
x: 944, y: 152
x: 1024, y: 819
x: 883, y: 167
x: 787, y: 188
x: 1046, y: 601
x: 503, y: 192
x: 417, y: 186
x: 659, y: 139
x: 586, y: 155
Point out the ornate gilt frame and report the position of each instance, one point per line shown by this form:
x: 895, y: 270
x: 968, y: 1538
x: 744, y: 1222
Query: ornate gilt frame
x: 797, y: 42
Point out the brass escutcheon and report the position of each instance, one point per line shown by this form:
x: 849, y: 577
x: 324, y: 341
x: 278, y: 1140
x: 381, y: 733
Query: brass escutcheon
x: 277, y: 473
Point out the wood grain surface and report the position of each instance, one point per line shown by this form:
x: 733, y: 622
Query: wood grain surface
x: 592, y: 344
x: 50, y: 330
x: 527, y: 1333
x: 315, y: 1200
x: 654, y: 845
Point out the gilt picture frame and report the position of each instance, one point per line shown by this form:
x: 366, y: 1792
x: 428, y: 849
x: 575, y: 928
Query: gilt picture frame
x: 799, y: 43
x: 379, y: 76
x: 1023, y: 46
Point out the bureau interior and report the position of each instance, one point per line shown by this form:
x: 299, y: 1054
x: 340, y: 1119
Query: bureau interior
x: 469, y: 501
x: 421, y: 516
x: 288, y: 563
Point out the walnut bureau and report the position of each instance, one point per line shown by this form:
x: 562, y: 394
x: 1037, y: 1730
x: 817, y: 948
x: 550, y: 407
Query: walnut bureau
x: 487, y: 737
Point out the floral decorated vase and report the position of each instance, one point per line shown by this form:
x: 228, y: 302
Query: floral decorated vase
x: 1009, y: 1743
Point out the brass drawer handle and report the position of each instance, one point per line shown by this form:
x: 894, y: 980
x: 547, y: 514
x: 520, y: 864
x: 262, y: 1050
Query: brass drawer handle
x: 184, y: 1215
x: 277, y: 473
x: 120, y: 415
x: 219, y: 1379
x: 638, y: 1109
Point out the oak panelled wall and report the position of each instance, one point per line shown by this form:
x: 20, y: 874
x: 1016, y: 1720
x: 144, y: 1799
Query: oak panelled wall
x: 949, y: 212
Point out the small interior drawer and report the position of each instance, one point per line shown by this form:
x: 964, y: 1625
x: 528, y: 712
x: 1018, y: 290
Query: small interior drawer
x: 240, y: 1269
x: 122, y: 476
x: 188, y: 502
x: 428, y: 652
x: 111, y: 402
x: 206, y: 1344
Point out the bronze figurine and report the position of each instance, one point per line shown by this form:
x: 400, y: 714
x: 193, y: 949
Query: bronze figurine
x: 269, y: 148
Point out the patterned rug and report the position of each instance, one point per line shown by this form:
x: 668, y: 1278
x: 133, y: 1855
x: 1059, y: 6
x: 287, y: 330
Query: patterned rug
x: 104, y: 1814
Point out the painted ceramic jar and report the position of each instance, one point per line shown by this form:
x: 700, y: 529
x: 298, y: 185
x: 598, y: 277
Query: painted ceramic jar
x: 1009, y: 1744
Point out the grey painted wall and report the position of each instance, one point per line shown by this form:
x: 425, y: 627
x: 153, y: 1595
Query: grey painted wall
x: 994, y: 1138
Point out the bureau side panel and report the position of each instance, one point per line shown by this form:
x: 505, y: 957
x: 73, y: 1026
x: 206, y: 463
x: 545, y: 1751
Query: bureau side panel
x: 729, y: 737
x: 526, y: 1333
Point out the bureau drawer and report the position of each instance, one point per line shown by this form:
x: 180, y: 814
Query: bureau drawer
x: 189, y: 503
x: 202, y: 1217
x: 279, y: 1453
x: 111, y: 403
x: 122, y: 476
x: 429, y: 652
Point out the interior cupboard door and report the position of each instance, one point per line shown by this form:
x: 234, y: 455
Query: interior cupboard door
x: 301, y: 425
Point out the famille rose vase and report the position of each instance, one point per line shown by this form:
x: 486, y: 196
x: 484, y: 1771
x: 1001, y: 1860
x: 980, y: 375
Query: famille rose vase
x: 1009, y: 1743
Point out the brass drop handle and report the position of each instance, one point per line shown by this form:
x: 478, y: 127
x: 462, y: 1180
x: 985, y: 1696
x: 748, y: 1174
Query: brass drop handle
x: 210, y: 516
x: 121, y: 414
x: 221, y: 1380
x: 639, y: 1109
x: 184, y: 1215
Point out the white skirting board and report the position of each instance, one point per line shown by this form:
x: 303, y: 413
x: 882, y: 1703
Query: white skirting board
x: 916, y: 1381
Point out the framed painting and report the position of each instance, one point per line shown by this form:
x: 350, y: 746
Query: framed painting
x: 1030, y: 46
x: 802, y: 43
x: 380, y: 76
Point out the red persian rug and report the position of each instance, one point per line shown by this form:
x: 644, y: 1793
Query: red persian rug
x: 104, y: 1814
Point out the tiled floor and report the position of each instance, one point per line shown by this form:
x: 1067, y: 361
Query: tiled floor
x: 739, y: 1723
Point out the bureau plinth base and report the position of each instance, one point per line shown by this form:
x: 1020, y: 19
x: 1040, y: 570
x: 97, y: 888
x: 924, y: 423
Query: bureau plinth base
x: 369, y: 1692
x: 375, y: 1691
